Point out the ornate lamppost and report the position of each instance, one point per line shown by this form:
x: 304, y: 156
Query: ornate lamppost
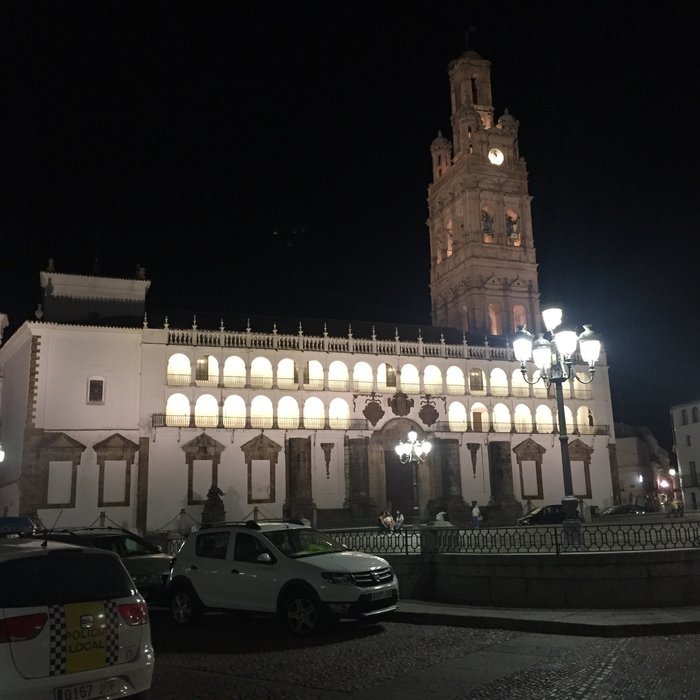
x: 552, y: 354
x: 414, y: 451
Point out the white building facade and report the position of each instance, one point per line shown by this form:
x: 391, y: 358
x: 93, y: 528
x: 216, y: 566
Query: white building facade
x: 685, y: 419
x: 109, y: 412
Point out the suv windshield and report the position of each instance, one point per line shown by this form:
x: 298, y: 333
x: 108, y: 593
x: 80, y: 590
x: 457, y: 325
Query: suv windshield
x: 303, y: 542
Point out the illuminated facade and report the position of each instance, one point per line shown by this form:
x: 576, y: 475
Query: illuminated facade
x: 135, y: 416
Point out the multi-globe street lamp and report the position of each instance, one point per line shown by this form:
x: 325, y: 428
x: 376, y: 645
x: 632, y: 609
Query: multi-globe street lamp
x: 414, y: 451
x: 552, y: 353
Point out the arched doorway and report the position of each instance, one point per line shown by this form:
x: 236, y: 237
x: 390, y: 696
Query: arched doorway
x: 398, y: 477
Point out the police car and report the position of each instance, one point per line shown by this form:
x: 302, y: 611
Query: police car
x: 72, y: 624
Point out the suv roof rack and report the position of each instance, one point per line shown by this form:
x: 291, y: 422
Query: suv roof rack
x: 251, y: 524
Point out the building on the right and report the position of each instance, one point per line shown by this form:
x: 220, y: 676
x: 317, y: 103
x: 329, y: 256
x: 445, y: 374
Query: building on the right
x: 644, y: 469
x: 685, y: 419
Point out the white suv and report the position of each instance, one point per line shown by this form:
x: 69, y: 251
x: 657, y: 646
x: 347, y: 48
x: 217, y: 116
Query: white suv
x: 284, y: 568
x: 72, y: 625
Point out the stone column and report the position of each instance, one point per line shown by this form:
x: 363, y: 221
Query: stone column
x: 357, y: 497
x: 502, y: 508
x: 299, y: 502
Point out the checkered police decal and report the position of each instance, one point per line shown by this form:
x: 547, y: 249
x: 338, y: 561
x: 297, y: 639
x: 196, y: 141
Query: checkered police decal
x: 112, y: 619
x: 57, y: 632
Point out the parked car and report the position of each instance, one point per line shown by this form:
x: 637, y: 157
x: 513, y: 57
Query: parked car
x: 544, y: 515
x: 626, y: 509
x: 282, y: 568
x: 72, y: 624
x: 16, y: 526
x: 146, y: 562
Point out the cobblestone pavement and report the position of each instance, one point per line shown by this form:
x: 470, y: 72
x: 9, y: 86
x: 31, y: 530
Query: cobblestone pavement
x: 251, y: 659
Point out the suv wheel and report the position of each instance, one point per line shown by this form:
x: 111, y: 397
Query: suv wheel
x: 185, y: 607
x: 303, y: 613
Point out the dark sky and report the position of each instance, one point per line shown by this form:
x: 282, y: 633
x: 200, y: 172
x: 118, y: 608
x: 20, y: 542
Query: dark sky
x: 181, y: 136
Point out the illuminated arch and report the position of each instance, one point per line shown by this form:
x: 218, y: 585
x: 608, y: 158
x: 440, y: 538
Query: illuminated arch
x: 362, y: 377
x: 457, y: 416
x: 499, y: 382
x: 206, y: 412
x: 314, y: 413
x: 455, y: 380
x: 261, y: 412
x: 177, y: 411
x: 410, y: 380
x: 339, y: 414
x: 287, y: 413
x: 432, y: 380
x: 522, y: 417
x: 234, y: 372
x: 179, y: 370
x: 261, y: 373
x: 501, y: 418
x: 233, y: 412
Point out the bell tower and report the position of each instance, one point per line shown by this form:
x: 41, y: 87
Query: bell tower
x: 483, y: 271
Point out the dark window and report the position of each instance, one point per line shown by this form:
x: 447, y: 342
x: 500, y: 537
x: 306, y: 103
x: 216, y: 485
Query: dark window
x: 476, y: 380
x: 202, y: 371
x: 696, y: 418
x: 688, y: 440
x: 390, y: 376
x: 693, y: 474
x: 305, y: 373
x: 59, y: 577
x: 96, y: 391
x: 247, y: 547
x: 212, y: 545
x: 684, y: 417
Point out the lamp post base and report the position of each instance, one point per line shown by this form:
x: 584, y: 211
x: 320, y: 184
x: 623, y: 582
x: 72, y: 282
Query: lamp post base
x: 571, y: 530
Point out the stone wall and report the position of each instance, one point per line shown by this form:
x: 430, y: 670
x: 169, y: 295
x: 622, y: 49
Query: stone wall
x: 572, y: 580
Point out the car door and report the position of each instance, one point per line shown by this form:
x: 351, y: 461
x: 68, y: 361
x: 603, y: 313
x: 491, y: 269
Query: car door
x: 254, y: 584
x: 209, y: 568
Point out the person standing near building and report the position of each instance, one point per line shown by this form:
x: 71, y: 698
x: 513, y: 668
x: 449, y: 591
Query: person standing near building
x: 476, y: 515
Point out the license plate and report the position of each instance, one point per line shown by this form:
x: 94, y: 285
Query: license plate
x: 90, y: 691
x: 378, y: 595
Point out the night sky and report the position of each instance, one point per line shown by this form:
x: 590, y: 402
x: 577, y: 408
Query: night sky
x: 182, y: 136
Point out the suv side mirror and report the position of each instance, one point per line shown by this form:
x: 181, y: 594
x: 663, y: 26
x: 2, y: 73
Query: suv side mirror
x: 264, y: 558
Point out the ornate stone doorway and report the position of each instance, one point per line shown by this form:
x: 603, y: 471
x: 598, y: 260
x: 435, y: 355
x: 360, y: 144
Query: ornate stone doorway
x: 399, y: 484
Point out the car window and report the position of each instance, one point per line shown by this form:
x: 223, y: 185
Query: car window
x: 247, y: 547
x: 212, y: 545
x: 61, y: 577
x: 126, y: 545
x: 303, y: 542
x: 16, y: 525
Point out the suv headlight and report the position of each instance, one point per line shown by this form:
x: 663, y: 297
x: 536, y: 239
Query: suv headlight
x: 342, y: 578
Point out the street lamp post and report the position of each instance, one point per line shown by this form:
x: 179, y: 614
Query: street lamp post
x: 414, y: 451
x: 552, y: 354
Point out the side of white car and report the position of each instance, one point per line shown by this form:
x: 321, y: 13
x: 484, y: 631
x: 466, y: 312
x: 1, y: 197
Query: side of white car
x: 72, y: 625
x: 285, y: 568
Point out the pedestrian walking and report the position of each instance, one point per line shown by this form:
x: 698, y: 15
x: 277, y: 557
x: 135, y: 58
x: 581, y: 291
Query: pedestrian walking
x: 476, y: 515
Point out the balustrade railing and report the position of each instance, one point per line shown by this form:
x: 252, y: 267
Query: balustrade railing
x: 539, y: 539
x: 163, y: 420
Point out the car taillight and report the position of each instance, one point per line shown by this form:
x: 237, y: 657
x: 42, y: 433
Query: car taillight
x: 134, y: 613
x: 21, y: 628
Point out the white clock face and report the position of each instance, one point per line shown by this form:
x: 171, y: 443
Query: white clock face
x: 496, y: 156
